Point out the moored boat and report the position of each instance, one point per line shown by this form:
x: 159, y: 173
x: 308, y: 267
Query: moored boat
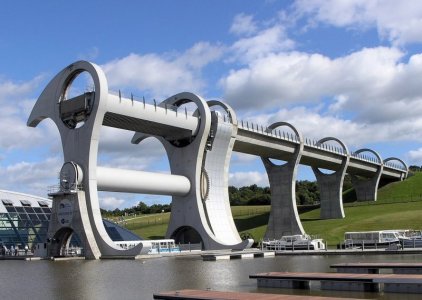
x: 295, y: 242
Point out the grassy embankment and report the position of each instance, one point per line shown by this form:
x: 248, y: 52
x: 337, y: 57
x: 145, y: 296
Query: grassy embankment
x: 399, y: 206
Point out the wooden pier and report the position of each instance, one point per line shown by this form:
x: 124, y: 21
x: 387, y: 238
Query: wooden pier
x: 218, y: 295
x: 394, y: 283
x: 374, y: 268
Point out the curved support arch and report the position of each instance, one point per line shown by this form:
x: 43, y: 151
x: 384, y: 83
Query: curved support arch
x: 331, y: 185
x: 406, y: 168
x: 372, y: 151
x: 230, y: 111
x: 280, y: 124
x: 345, y: 149
x: 80, y: 146
x: 397, y: 159
x: 284, y: 218
x: 299, y: 136
x: 366, y: 188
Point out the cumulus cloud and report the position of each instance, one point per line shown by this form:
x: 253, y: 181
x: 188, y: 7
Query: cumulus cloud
x: 396, y: 21
x: 266, y: 41
x: 415, y: 157
x: 239, y: 179
x: 315, y: 125
x: 373, y: 85
x: 16, y: 104
x: 111, y: 203
x: 31, y: 177
x: 116, y: 150
x: 243, y: 25
x: 162, y: 75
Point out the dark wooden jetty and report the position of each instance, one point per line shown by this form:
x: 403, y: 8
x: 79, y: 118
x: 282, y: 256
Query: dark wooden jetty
x: 218, y: 295
x: 376, y: 267
x: 395, y: 283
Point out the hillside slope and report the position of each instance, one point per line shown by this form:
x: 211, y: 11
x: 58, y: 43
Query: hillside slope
x: 399, y: 206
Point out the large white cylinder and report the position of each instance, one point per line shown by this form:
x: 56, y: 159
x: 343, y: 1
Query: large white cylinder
x: 131, y: 181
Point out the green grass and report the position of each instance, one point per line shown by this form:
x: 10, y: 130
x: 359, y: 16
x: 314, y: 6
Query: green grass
x: 407, y: 190
x: 399, y: 206
x: 149, y: 226
x: 363, y: 218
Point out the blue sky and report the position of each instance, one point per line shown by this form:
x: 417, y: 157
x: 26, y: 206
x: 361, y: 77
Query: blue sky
x: 348, y: 69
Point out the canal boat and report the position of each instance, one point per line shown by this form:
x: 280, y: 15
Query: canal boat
x: 151, y: 246
x: 413, y: 240
x: 374, y: 239
x: 295, y: 242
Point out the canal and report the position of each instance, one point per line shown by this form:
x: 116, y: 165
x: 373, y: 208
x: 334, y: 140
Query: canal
x: 139, y: 279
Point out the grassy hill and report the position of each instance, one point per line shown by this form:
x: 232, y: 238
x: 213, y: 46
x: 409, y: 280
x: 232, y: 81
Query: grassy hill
x: 399, y: 206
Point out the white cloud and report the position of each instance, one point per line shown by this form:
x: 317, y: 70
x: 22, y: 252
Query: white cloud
x: 373, y: 85
x: 16, y: 105
x: 355, y: 134
x: 269, y: 40
x: 165, y: 75
x: 110, y: 203
x: 243, y: 25
x: 31, y: 177
x: 415, y: 157
x: 117, y: 151
x: 240, y: 179
x: 397, y: 21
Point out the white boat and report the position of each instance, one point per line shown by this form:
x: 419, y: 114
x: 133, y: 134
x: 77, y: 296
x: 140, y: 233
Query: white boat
x: 295, y: 242
x: 374, y: 238
x: 413, y: 240
x: 151, y: 246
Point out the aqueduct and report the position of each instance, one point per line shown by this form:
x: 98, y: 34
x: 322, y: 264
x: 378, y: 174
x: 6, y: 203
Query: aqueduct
x: 199, y: 147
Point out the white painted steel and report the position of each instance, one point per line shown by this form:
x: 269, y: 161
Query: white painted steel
x: 132, y: 181
x: 153, y: 113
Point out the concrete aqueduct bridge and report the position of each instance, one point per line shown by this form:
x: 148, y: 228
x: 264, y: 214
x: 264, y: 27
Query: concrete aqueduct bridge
x: 199, y: 147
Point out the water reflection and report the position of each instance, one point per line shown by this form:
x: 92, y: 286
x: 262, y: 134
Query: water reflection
x: 127, y: 279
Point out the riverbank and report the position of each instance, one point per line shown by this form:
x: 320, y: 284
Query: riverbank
x: 212, y: 255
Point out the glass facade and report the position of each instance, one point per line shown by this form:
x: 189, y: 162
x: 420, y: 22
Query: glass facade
x: 24, y: 226
x: 24, y: 222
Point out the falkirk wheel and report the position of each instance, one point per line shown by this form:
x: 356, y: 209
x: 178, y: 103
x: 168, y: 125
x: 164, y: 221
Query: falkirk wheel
x: 198, y: 145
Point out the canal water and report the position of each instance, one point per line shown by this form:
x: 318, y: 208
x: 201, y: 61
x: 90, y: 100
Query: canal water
x: 140, y: 279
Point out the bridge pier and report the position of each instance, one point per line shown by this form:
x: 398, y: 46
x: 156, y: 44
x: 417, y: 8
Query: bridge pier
x: 366, y: 188
x: 284, y: 218
x: 203, y: 215
x: 331, y: 186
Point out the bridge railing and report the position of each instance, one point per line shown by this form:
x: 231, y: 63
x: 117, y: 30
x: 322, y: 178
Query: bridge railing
x: 137, y: 99
x: 275, y: 133
x: 290, y: 137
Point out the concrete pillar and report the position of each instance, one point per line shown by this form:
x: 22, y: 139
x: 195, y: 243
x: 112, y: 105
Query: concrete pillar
x: 204, y: 214
x: 366, y: 188
x: 284, y: 218
x: 331, y: 186
x: 69, y: 216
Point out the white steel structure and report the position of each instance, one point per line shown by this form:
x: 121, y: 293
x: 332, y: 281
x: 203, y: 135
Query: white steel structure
x: 199, y: 147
